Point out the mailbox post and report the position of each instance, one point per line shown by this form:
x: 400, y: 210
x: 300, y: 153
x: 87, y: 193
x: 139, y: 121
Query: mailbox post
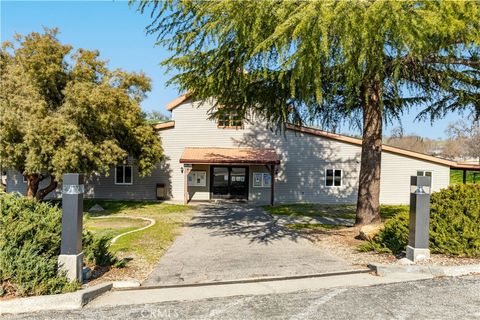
x: 418, y: 237
x: 71, y: 255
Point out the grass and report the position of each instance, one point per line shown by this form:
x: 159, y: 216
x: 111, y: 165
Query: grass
x: 330, y: 210
x: 313, y: 210
x: 148, y: 244
x: 112, y: 226
x: 456, y: 177
x: 313, y: 226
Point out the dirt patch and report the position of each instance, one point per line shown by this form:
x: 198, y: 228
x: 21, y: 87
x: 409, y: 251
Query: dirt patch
x: 343, y: 243
x: 136, y: 269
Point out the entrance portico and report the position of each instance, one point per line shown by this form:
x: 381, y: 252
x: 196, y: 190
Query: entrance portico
x: 229, y: 173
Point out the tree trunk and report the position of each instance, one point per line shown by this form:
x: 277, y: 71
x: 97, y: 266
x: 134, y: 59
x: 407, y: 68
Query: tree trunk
x: 43, y: 192
x: 33, y: 180
x: 368, y: 202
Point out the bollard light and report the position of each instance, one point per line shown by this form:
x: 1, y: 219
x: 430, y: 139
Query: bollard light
x: 71, y: 255
x: 419, y: 225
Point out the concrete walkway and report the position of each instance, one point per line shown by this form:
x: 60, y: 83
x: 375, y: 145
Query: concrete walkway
x: 234, y: 241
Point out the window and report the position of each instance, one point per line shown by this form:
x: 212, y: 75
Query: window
x: 123, y: 175
x: 262, y: 180
x: 197, y: 179
x: 424, y: 173
x: 24, y: 179
x: 230, y: 120
x: 333, y: 178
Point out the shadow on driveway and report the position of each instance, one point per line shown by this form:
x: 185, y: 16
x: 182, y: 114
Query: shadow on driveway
x: 232, y: 241
x: 247, y: 221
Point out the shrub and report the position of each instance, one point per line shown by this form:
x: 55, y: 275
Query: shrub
x: 30, y: 236
x: 95, y: 250
x: 454, y: 224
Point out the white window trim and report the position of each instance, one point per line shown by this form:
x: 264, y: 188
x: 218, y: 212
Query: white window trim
x: 24, y: 179
x: 262, y: 185
x: 423, y: 175
x: 124, y: 183
x: 341, y: 178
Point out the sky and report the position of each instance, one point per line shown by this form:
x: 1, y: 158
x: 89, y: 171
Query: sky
x: 117, y: 30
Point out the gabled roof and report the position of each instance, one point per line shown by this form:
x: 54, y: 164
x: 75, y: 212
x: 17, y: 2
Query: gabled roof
x: 178, y: 101
x: 417, y: 155
x: 164, y: 125
x: 387, y: 148
x: 229, y: 155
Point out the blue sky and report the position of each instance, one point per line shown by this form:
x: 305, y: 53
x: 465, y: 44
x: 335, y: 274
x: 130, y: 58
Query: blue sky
x: 118, y: 31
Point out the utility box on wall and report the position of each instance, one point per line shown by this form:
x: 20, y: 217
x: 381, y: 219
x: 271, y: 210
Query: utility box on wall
x: 161, y: 191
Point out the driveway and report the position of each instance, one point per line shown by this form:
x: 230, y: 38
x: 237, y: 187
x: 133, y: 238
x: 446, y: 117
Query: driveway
x: 232, y: 241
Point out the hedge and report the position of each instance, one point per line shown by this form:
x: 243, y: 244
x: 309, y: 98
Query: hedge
x: 454, y: 224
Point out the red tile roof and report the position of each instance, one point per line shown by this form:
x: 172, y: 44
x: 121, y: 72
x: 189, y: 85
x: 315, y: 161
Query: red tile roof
x: 229, y: 155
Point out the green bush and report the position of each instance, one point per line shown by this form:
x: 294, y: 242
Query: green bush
x: 30, y: 236
x: 95, y: 250
x: 454, y: 224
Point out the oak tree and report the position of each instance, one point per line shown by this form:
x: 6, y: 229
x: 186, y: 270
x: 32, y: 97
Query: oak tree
x: 64, y: 111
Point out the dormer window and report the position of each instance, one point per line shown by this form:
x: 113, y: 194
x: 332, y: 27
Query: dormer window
x: 230, y: 120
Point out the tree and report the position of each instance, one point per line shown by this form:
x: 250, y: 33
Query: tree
x: 63, y: 112
x: 155, y: 117
x: 289, y: 61
x: 463, y: 139
x: 411, y: 142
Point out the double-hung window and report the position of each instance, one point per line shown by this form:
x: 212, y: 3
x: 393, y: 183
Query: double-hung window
x: 123, y: 175
x: 333, y: 177
x: 230, y: 120
x: 424, y: 173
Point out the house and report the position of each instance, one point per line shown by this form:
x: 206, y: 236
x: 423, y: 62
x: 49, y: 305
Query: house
x: 229, y: 158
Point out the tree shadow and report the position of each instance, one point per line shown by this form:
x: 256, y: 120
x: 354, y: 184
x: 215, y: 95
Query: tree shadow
x: 244, y: 220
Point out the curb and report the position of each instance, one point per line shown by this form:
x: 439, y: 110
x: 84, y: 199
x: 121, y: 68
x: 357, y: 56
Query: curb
x: 65, y: 301
x: 436, y: 271
x: 244, y: 281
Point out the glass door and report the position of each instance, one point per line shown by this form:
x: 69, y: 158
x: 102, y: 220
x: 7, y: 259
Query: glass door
x: 229, y: 182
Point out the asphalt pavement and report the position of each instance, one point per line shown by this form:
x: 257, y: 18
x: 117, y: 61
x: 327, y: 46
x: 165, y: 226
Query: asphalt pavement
x: 439, y: 298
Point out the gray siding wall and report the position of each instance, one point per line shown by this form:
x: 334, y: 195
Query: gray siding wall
x: 15, y: 184
x: 301, y: 175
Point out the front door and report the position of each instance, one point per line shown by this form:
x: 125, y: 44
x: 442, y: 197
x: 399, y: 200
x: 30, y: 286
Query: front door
x: 229, y: 182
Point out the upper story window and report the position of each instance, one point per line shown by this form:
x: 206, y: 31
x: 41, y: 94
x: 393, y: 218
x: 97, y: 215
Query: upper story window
x: 333, y: 178
x: 230, y: 120
x: 424, y: 173
x: 123, y: 175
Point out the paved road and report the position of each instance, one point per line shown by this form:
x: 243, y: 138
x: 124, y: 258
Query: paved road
x: 236, y: 241
x: 447, y: 298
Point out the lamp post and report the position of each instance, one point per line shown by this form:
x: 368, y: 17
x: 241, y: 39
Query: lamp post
x: 71, y: 255
x: 418, y: 237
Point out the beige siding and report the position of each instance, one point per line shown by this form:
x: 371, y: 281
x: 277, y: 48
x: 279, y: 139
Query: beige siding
x: 304, y: 161
x: 396, y: 172
x: 192, y: 129
x: 301, y: 174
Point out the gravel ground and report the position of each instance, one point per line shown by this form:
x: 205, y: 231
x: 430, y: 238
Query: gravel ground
x: 342, y: 243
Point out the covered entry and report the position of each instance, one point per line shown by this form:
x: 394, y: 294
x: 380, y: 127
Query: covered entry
x: 229, y: 170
